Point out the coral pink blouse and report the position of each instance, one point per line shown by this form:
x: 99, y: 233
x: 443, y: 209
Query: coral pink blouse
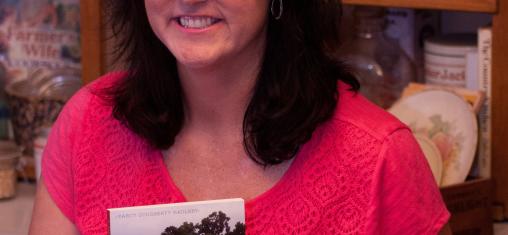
x: 362, y: 172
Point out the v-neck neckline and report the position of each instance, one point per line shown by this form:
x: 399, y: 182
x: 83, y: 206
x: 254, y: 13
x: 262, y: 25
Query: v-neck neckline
x: 279, y: 184
x: 299, y: 159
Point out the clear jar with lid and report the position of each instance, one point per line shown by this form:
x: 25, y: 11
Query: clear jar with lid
x: 379, y: 63
x: 9, y: 156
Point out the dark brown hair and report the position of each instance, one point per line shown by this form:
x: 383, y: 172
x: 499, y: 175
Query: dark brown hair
x: 295, y: 92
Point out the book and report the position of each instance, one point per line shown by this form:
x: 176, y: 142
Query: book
x: 39, y: 35
x: 485, y: 85
x: 221, y: 217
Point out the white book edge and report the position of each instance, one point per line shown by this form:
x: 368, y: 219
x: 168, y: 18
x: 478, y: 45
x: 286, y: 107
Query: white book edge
x: 177, y: 204
x: 485, y: 85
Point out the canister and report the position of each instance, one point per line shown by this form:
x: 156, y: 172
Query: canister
x: 445, y: 59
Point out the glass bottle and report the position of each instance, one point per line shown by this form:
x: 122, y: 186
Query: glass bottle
x: 380, y: 65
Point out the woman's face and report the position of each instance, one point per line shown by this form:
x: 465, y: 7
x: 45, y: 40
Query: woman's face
x: 202, y: 33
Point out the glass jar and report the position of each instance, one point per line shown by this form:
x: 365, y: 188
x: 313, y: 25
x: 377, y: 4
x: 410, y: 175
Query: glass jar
x: 380, y: 65
x: 9, y: 156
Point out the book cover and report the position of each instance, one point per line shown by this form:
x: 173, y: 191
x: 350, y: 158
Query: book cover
x: 221, y: 217
x: 485, y: 85
x: 39, y: 34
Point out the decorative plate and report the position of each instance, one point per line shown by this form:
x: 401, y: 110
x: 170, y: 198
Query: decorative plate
x: 449, y: 122
x: 433, y: 156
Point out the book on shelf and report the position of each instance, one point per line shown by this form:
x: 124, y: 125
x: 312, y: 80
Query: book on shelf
x: 221, y: 217
x: 39, y: 35
x: 485, y: 85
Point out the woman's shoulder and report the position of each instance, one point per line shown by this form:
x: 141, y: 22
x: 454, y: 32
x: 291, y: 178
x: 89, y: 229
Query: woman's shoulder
x: 90, y: 100
x: 354, y: 110
x: 357, y: 133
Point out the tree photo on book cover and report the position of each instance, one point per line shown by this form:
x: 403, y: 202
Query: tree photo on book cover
x: 217, y: 223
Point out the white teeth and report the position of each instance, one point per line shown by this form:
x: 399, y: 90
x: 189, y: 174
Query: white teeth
x: 196, y: 22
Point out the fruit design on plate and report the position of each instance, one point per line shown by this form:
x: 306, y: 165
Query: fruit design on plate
x: 445, y: 137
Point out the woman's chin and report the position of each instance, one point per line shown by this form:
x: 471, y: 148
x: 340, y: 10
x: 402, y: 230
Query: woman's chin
x: 197, y: 62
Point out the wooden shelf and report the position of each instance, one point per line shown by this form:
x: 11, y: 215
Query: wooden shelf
x: 486, y: 6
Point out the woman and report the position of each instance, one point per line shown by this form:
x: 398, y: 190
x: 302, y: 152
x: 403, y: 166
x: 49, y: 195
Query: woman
x: 230, y: 98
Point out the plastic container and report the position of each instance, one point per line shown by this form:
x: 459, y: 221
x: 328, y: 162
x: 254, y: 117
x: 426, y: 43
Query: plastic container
x: 9, y: 156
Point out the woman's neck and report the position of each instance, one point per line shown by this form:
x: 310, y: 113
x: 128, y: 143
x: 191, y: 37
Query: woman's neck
x: 216, y: 97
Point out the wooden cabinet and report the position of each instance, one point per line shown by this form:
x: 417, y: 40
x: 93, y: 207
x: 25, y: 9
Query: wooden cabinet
x: 92, y: 40
x: 94, y: 64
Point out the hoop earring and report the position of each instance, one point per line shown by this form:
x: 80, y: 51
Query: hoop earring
x: 281, y: 9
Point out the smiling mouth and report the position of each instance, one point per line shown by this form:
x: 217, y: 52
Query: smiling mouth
x: 196, y: 22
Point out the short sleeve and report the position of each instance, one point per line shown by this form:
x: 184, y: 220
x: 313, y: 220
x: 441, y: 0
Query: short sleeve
x: 57, y: 171
x: 406, y: 197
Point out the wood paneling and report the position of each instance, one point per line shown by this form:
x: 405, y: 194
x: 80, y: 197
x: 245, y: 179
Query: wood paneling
x: 489, y: 6
x: 92, y: 53
x: 500, y: 104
